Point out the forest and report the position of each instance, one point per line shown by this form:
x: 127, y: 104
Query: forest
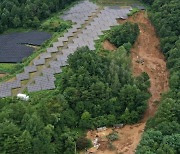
x: 96, y: 89
x: 27, y: 13
x: 162, y: 131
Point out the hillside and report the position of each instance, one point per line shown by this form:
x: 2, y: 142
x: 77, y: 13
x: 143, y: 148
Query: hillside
x: 110, y: 74
x: 162, y: 131
x: 146, y: 56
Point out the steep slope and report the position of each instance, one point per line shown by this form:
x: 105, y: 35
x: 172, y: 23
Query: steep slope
x: 146, y: 57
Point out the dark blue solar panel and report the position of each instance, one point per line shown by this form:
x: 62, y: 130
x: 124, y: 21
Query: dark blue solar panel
x: 13, y: 48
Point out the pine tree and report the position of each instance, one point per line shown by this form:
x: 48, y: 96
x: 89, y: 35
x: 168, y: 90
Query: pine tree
x: 16, y: 21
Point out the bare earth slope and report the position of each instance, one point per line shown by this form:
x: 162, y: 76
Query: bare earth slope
x: 146, y: 57
x: 147, y: 51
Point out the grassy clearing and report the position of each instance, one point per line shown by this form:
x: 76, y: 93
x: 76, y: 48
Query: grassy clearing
x: 133, y: 11
x: 8, y: 67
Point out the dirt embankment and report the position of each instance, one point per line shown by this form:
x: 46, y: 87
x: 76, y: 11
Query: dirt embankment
x: 2, y: 75
x: 146, y: 57
x: 108, y: 46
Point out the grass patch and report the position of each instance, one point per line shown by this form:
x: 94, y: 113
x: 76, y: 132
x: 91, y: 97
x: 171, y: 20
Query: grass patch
x: 17, y: 30
x: 133, y: 11
x: 9, y: 67
x: 54, y: 24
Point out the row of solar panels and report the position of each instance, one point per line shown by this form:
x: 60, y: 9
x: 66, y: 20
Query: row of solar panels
x: 45, y: 79
x: 13, y: 46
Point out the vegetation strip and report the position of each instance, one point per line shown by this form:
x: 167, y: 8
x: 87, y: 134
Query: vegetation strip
x: 162, y: 131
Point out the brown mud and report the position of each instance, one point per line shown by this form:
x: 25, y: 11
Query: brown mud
x: 146, y: 57
x: 2, y: 75
x: 108, y: 46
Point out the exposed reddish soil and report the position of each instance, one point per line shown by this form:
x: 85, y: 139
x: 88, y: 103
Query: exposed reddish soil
x: 108, y: 46
x: 147, y: 51
x: 146, y: 57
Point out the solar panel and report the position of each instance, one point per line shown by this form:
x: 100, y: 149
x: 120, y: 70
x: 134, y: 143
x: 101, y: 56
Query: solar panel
x: 48, y: 86
x: 13, y: 46
x: 47, y: 71
x: 52, y: 49
x: 15, y: 84
x: 40, y: 61
x: 30, y: 69
x: 104, y: 20
x: 5, y: 92
x: 45, y: 55
x: 34, y: 88
x: 22, y: 76
x: 80, y: 12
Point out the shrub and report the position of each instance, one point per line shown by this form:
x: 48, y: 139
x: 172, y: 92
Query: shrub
x: 134, y: 10
x: 83, y: 143
x: 113, y: 136
x: 126, y: 33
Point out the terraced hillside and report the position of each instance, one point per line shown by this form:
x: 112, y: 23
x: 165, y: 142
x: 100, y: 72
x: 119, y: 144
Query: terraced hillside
x: 89, y: 23
x: 114, y: 96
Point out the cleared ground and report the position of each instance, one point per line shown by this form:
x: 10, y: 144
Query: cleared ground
x: 2, y: 75
x: 108, y: 46
x: 146, y: 57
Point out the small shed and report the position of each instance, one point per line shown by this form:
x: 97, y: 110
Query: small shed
x: 100, y: 129
x: 118, y: 125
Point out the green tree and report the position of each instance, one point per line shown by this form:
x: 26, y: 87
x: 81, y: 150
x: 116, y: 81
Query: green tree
x: 83, y: 143
x: 36, y: 22
x: 24, y: 143
x: 85, y: 121
x: 8, y: 135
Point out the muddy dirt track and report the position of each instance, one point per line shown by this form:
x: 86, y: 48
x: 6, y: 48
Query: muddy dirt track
x: 146, y: 57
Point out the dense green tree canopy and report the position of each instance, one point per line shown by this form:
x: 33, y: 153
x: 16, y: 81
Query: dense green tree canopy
x: 27, y: 13
x: 98, y: 86
x: 162, y: 133
x: 93, y: 91
x: 126, y: 33
x: 96, y: 89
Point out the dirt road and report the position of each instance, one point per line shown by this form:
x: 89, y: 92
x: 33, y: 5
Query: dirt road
x: 146, y: 57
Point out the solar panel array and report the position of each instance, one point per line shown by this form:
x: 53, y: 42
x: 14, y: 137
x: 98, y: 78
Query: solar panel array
x: 13, y: 48
x: 44, y: 80
x: 80, y: 12
x: 104, y: 21
x: 140, y: 7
